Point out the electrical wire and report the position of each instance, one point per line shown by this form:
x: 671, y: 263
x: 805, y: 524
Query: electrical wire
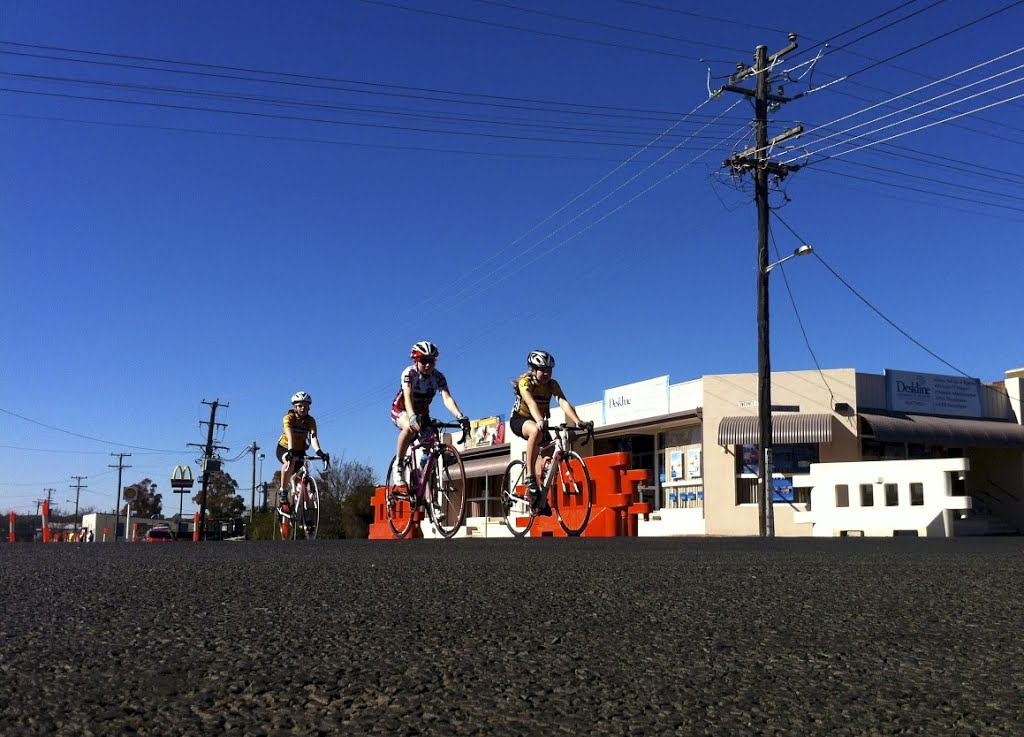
x: 863, y: 299
x: 85, y: 437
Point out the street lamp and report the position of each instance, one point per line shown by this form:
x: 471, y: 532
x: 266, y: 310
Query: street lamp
x: 765, y: 508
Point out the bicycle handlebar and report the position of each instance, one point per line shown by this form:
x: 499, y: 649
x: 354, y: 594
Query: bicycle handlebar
x: 438, y: 425
x: 586, y: 427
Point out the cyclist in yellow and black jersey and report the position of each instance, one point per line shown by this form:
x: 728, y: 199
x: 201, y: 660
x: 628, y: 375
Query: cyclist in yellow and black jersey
x: 299, y: 432
x: 529, y: 418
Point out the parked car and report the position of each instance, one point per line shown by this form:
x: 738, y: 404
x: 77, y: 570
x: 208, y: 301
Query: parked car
x: 159, y: 535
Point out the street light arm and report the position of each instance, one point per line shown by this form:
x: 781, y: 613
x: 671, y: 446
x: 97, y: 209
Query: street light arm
x: 801, y: 251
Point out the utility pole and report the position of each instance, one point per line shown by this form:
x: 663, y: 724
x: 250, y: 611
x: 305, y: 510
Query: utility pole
x: 117, y: 509
x: 252, y: 502
x: 78, y: 486
x: 757, y: 160
x: 210, y: 462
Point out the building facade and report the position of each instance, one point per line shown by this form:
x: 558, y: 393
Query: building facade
x: 700, y: 440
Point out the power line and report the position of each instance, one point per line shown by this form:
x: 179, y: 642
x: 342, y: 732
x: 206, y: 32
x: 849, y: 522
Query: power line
x: 80, y: 435
x: 874, y: 309
x: 535, y: 31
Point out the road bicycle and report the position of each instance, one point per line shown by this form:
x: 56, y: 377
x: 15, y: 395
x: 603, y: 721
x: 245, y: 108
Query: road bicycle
x: 302, y: 520
x: 565, y: 482
x: 436, y: 482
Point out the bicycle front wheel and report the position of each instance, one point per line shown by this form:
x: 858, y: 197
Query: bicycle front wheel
x: 515, y: 503
x: 447, y: 489
x: 573, y: 494
x: 307, y: 510
x: 398, y: 503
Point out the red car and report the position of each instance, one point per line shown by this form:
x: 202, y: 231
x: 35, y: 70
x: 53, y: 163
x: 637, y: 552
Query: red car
x: 159, y: 535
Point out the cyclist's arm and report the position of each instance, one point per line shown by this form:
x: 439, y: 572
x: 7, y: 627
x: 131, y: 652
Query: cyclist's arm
x: 407, y: 398
x: 531, y: 404
x: 449, y: 402
x: 314, y: 440
x: 570, y: 411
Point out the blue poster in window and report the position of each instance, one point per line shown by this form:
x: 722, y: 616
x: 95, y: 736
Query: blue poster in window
x: 782, y: 490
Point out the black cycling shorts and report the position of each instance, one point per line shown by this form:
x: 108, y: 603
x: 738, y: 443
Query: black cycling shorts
x: 516, y: 423
x: 281, y: 450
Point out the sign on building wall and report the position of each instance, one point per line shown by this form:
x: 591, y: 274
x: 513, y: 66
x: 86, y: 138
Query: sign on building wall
x: 935, y: 394
x: 636, y: 401
x: 693, y: 463
x: 488, y: 431
x: 676, y: 464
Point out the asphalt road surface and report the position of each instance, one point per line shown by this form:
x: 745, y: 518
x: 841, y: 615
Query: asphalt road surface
x: 514, y: 637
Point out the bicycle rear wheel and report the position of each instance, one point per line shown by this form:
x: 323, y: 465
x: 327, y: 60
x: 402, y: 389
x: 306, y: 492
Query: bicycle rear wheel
x: 307, y: 510
x: 447, y: 491
x: 398, y: 503
x: 573, y: 494
x: 515, y: 504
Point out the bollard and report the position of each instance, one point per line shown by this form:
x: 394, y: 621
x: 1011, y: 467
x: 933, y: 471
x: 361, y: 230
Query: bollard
x: 135, y: 532
x: 10, y: 536
x: 46, y: 521
x: 105, y: 530
x: 195, y: 528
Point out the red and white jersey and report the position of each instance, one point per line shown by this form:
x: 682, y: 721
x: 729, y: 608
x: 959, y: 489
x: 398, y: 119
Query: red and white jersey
x: 424, y: 387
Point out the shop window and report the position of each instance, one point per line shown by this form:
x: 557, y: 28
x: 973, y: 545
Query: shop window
x: 916, y: 495
x: 892, y: 495
x: 795, y: 458
x: 842, y: 495
x: 867, y: 495
x: 746, y: 491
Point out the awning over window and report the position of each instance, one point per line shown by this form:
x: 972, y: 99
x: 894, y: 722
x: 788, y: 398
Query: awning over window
x: 493, y: 466
x: 787, y: 427
x: 954, y: 432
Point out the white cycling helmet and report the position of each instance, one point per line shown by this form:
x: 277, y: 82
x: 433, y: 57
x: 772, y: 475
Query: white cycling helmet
x: 424, y: 349
x: 540, y: 359
x: 301, y: 398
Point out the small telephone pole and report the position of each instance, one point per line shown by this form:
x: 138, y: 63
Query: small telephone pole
x: 117, y: 509
x: 254, y: 449
x: 211, y: 463
x: 78, y: 486
x: 756, y: 160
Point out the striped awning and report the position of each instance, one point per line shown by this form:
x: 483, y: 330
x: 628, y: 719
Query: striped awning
x: 951, y: 432
x: 787, y: 427
x: 492, y: 466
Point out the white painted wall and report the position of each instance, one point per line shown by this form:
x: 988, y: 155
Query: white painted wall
x: 933, y: 518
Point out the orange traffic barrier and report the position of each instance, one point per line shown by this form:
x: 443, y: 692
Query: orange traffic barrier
x: 10, y: 536
x: 106, y: 530
x: 380, y: 529
x: 46, y: 521
x: 135, y: 532
x: 195, y: 528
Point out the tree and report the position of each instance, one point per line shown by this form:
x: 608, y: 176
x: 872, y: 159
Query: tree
x: 346, y: 489
x: 147, y: 503
x: 221, y: 500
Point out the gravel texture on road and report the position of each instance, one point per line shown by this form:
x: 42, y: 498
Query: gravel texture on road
x: 514, y: 637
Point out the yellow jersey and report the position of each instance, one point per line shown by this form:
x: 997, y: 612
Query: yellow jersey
x: 302, y: 427
x: 528, y: 384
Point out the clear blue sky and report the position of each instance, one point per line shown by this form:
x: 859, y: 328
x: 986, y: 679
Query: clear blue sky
x: 336, y: 180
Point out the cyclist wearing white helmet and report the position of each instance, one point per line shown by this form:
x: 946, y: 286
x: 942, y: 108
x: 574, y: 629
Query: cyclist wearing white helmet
x: 299, y: 432
x: 417, y: 387
x: 529, y: 418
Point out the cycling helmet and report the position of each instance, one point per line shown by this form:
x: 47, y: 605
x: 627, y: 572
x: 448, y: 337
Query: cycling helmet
x: 301, y: 397
x: 424, y: 349
x: 540, y: 359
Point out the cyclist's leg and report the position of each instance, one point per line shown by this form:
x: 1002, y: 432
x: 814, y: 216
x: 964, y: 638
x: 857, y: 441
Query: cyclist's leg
x: 405, y: 438
x: 287, y: 469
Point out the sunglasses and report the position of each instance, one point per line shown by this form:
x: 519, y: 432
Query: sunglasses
x: 427, y: 361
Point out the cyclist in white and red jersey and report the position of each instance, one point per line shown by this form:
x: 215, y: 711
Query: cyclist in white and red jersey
x: 411, y: 406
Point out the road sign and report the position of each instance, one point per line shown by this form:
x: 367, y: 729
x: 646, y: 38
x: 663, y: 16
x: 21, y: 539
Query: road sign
x: 182, y: 478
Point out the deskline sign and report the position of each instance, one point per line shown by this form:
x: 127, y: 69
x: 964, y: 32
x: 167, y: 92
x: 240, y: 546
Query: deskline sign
x: 934, y: 394
x: 636, y: 401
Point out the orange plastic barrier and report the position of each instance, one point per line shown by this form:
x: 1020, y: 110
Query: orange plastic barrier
x: 195, y: 528
x: 46, y: 521
x: 135, y: 532
x: 615, y: 500
x: 380, y: 529
x: 106, y: 531
x: 10, y: 536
